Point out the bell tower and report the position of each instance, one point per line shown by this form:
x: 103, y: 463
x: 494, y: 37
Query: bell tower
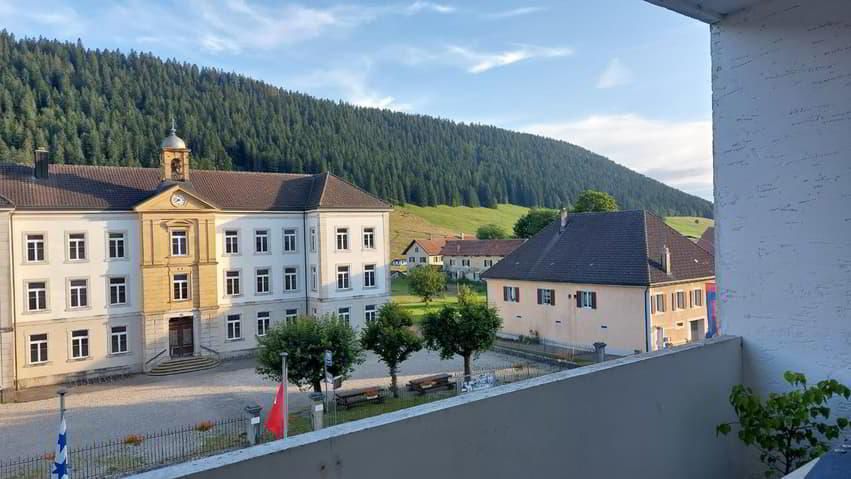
x: 174, y: 157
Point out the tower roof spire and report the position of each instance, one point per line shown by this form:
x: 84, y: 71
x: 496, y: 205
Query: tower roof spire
x: 172, y: 140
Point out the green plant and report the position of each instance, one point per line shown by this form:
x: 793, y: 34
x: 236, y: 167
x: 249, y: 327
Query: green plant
x: 426, y: 282
x: 591, y: 200
x: 133, y: 440
x: 491, y: 231
x: 529, y: 224
x: 791, y: 428
x: 204, y: 426
x: 392, y: 338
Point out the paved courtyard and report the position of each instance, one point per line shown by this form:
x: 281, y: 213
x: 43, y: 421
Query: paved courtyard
x: 143, y: 404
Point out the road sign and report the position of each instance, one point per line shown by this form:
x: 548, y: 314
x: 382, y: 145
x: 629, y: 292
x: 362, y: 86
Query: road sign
x: 328, y: 358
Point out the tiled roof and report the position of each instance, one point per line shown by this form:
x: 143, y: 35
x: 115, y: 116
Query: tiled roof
x: 432, y: 247
x: 82, y: 187
x: 621, y: 248
x: 492, y: 247
x: 707, y: 240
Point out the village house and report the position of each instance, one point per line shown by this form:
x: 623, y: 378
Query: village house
x: 425, y: 252
x: 469, y: 259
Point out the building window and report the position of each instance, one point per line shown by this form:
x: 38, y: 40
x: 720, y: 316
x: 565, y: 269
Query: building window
x: 488, y: 263
x: 261, y: 241
x: 344, y: 314
x: 77, y: 247
x: 38, y: 348
x: 115, y: 247
x: 37, y: 296
x: 369, y: 313
x: 369, y: 238
x: 262, y: 281
x: 586, y: 299
x: 547, y: 296
x: 657, y: 303
x: 342, y: 239
x: 511, y: 294
x: 422, y: 259
x: 465, y: 262
x: 232, y: 283
x: 412, y: 260
x: 117, y: 290
x: 290, y: 278
x: 343, y: 277
x: 314, y: 278
x: 289, y: 241
x: 290, y: 315
x: 262, y: 323
x: 678, y: 300
x: 78, y: 293
x: 234, y: 327
x: 416, y: 249
x: 369, y: 276
x: 80, y: 344
x: 697, y: 298
x: 35, y: 248
x: 312, y: 240
x: 451, y: 262
x: 231, y: 242
x: 179, y: 243
x: 180, y: 286
x: 118, y: 339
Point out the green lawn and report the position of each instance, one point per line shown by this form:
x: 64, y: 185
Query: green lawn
x: 692, y: 226
x: 401, y: 294
x: 466, y: 219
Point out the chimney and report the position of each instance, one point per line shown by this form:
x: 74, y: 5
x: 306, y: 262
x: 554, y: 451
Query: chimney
x: 430, y: 237
x: 40, y: 163
x: 462, y: 235
x: 563, y: 220
x: 666, y: 260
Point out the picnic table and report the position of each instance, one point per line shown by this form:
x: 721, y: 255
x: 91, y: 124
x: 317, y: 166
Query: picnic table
x: 353, y: 397
x: 431, y: 383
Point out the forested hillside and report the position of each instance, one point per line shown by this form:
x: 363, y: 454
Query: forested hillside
x: 110, y: 108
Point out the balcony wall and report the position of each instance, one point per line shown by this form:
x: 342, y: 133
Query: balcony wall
x: 651, y: 415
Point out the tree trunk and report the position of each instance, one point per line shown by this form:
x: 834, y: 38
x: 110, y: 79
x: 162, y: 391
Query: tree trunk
x: 317, y: 386
x: 467, y: 366
x: 394, y: 381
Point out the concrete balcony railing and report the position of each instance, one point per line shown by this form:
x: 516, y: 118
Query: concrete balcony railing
x: 650, y: 415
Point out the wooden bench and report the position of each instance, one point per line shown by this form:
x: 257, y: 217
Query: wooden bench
x: 431, y: 383
x: 353, y: 397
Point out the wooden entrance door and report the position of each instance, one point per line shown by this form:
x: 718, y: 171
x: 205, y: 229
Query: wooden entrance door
x: 180, y: 341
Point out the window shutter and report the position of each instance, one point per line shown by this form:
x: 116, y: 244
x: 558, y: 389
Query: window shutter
x: 517, y: 294
x: 691, y: 300
x: 505, y: 293
x: 540, y: 293
x: 673, y: 301
x: 653, y: 304
x: 579, y: 299
x: 593, y: 300
x: 553, y: 297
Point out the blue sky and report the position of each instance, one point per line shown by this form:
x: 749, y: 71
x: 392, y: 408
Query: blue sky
x: 621, y: 77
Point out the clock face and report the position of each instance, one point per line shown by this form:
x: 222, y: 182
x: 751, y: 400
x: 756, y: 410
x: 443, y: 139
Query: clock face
x: 178, y: 200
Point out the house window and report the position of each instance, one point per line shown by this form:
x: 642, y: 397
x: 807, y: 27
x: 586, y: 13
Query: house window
x: 416, y: 249
x: 697, y: 298
x: 232, y: 283
x: 76, y: 246
x: 369, y: 238
x: 422, y: 259
x: 38, y: 348
x: 488, y: 263
x: 262, y: 281
x: 80, y: 344
x: 118, y: 290
x: 231, y: 242
x: 451, y: 262
x: 369, y: 313
x: 179, y: 243
x: 342, y: 239
x: 36, y: 296
x: 35, y: 248
x: 678, y: 300
x: 234, y: 327
x: 547, y: 296
x: 118, y: 339
x: 290, y: 315
x: 511, y: 294
x: 412, y: 260
x: 78, y: 290
x: 465, y: 262
x: 344, y: 314
x: 289, y: 241
x: 586, y: 299
x: 261, y: 241
x: 657, y: 303
x: 369, y: 276
x: 313, y: 240
x: 115, y: 247
x: 343, y: 277
x: 262, y: 323
x: 290, y: 278
x: 180, y: 286
x: 314, y: 278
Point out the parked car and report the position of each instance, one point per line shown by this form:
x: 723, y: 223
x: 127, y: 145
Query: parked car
x: 400, y: 262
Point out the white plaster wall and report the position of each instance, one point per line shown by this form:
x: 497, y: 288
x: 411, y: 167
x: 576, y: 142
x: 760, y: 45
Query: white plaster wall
x: 782, y: 141
x: 7, y: 354
x: 356, y: 256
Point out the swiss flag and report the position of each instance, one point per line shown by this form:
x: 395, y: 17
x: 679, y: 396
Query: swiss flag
x: 274, y: 424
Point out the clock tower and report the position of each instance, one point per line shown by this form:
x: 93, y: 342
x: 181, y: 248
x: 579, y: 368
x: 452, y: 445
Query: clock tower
x: 174, y: 157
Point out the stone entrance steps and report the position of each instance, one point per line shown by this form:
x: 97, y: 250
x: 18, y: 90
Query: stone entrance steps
x: 183, y: 365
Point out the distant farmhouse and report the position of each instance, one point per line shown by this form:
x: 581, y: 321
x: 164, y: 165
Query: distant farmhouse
x: 470, y: 258
x: 422, y: 252
x: 623, y: 278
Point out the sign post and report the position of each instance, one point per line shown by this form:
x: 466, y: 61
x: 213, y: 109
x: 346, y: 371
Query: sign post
x: 284, y: 392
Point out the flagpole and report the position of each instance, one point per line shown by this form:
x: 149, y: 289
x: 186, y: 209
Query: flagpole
x: 60, y: 461
x: 284, y: 394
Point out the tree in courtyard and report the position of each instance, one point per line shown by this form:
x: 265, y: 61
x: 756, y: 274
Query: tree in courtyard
x: 591, y: 200
x: 491, y: 231
x: 529, y: 224
x: 306, y: 339
x: 465, y: 329
x: 392, y: 338
x: 427, y: 282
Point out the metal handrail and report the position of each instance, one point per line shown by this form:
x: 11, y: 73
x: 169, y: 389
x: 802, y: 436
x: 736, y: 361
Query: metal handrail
x: 155, y: 357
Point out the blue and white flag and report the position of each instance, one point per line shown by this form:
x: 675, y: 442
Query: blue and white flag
x: 60, y: 461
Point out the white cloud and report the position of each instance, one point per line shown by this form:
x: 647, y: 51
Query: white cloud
x: 480, y: 62
x: 421, y: 6
x: 515, y: 12
x: 616, y: 74
x: 352, y: 85
x: 676, y: 153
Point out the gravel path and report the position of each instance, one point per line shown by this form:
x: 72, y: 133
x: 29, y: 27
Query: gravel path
x: 143, y: 404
